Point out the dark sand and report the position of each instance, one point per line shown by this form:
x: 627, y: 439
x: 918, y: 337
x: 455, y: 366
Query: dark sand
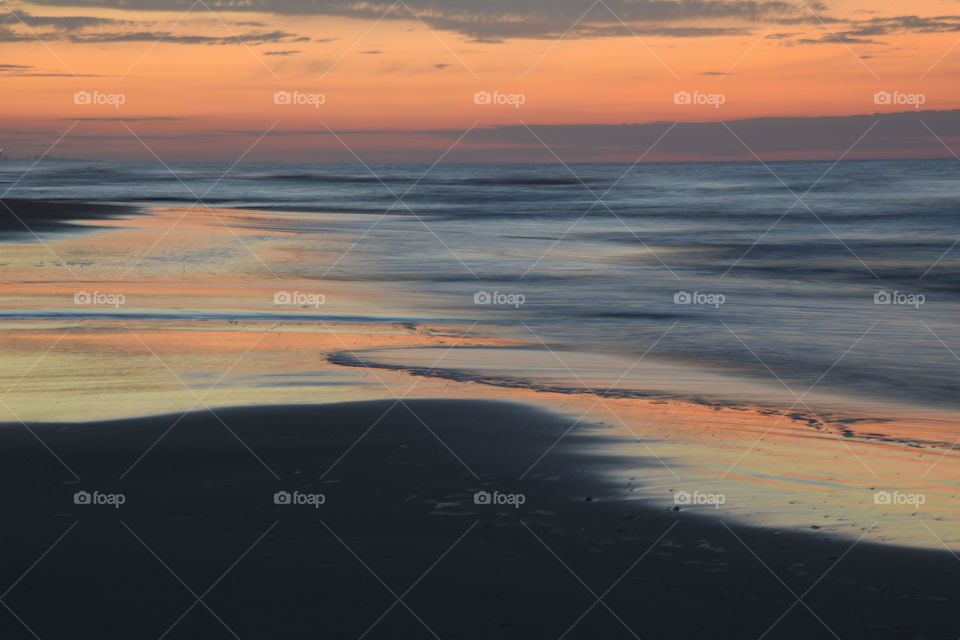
x: 24, y: 216
x: 400, y: 501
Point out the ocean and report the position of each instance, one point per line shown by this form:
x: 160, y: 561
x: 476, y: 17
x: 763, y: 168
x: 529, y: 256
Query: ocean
x: 839, y: 276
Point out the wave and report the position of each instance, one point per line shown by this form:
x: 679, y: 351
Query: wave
x: 504, y: 181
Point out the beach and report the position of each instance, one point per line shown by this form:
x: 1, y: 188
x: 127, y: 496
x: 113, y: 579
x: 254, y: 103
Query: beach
x: 397, y: 545
x: 500, y: 320
x: 265, y: 392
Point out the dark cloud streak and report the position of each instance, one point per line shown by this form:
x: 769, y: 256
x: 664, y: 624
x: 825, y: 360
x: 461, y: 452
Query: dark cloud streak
x: 152, y: 36
x: 772, y: 137
x: 63, y: 23
x: 20, y: 27
x: 494, y: 20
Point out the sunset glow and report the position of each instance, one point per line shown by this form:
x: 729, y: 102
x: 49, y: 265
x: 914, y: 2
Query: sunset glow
x: 199, y: 82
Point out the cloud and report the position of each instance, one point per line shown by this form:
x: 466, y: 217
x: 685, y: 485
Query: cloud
x: 495, y: 20
x: 153, y: 36
x: 835, y: 38
x: 774, y: 137
x: 904, y: 24
x: 286, y: 52
x: 902, y: 134
x: 893, y: 135
x: 7, y: 35
x: 27, y: 71
x: 865, y: 31
x: 24, y: 27
x: 64, y: 23
x: 615, y: 30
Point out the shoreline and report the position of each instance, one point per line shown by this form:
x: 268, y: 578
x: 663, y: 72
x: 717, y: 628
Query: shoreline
x: 774, y: 468
x: 778, y: 468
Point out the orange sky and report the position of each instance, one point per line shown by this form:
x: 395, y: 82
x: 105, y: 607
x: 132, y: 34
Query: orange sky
x: 399, y: 74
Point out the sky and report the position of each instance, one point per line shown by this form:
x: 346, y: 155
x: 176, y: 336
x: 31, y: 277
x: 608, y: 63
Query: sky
x: 498, y: 80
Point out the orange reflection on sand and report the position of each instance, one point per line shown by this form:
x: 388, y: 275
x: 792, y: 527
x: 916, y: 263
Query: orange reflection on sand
x: 200, y: 327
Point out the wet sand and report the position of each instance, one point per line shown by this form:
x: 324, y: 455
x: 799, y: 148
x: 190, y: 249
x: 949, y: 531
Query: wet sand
x: 21, y: 216
x: 200, y: 327
x: 399, y: 520
x: 199, y: 548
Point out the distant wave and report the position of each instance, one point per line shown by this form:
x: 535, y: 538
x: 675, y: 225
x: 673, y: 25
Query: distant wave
x: 504, y: 181
x: 332, y: 179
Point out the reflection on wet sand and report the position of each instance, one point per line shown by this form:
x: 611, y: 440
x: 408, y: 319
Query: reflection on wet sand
x: 200, y: 326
